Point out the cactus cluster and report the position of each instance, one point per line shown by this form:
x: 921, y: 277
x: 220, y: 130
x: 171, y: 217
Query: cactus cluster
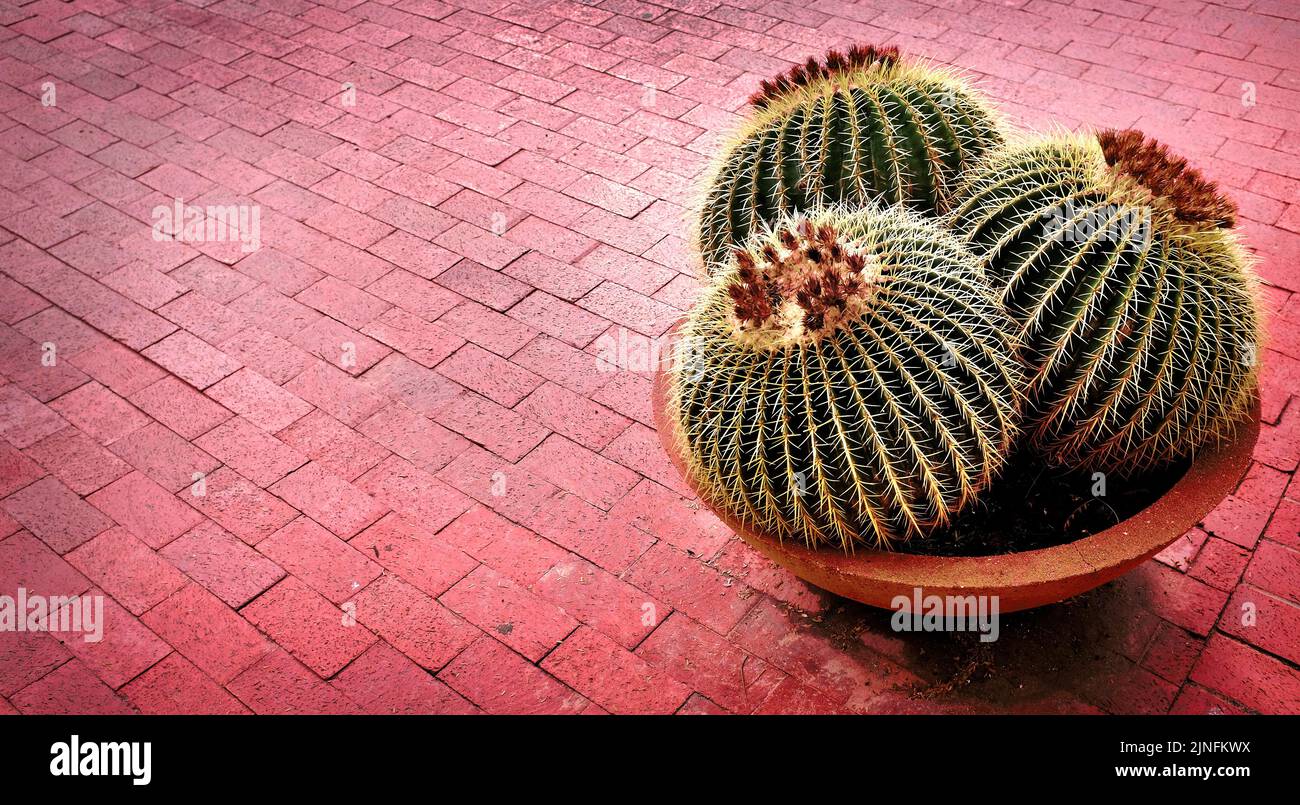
x: 898, y: 299
x: 846, y: 380
x: 1132, y: 298
x: 860, y: 127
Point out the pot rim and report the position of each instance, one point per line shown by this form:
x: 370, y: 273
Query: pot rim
x: 1213, y: 474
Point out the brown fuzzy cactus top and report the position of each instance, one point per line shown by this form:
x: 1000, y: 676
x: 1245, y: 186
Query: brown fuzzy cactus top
x: 1192, y: 197
x: 835, y: 62
x: 803, y: 278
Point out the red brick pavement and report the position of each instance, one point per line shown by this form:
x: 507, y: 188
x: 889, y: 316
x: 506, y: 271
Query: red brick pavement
x: 397, y: 403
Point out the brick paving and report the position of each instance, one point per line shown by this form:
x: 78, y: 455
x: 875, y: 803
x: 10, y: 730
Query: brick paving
x: 423, y: 489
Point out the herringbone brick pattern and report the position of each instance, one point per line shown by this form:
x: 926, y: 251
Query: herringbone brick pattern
x: 400, y: 458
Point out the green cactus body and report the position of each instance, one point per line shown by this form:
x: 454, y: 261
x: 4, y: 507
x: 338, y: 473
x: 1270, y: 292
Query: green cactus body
x: 847, y: 380
x: 1133, y: 300
x: 856, y: 128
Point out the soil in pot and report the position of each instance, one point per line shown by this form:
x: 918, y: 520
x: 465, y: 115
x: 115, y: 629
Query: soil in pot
x: 1034, y: 506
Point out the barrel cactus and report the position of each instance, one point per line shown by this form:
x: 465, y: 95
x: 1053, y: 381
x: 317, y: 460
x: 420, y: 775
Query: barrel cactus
x: 846, y: 380
x: 853, y: 128
x: 1133, y: 300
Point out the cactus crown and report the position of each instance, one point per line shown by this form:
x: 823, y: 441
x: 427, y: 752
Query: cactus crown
x: 856, y: 128
x: 847, y: 380
x: 801, y: 284
x: 1134, y: 302
x: 834, y: 64
x: 1170, y: 180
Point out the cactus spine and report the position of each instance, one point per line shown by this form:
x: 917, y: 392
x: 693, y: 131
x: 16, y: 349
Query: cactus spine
x: 1133, y: 298
x: 846, y: 380
x: 855, y: 128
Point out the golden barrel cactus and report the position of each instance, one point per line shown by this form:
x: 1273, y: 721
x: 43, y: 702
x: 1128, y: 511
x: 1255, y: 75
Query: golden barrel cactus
x: 846, y: 380
x: 860, y: 127
x: 1133, y: 300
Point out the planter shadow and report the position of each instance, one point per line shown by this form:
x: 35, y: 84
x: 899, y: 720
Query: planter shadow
x: 1021, y: 580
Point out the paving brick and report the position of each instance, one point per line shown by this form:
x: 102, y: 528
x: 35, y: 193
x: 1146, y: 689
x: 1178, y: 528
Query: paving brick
x: 413, y: 623
x: 580, y: 471
x: 341, y: 346
x: 259, y: 400
x: 601, y: 600
x: 124, y: 648
x: 322, y: 560
x: 1237, y: 520
x: 26, y: 657
x: 589, y: 424
x: 1175, y: 597
x: 1275, y: 568
x: 706, y: 595
x: 279, y: 684
x: 1264, y: 620
x: 382, y: 681
x: 493, y: 377
x: 559, y: 319
x: 164, y: 456
x: 739, y: 560
x: 425, y: 561
x: 55, y: 514
x: 612, y: 676
x: 686, y: 524
x: 339, y: 300
x: 502, y: 545
x: 414, y: 493
x: 334, y: 445
x: 503, y: 683
x: 72, y: 689
x: 180, y: 407
x: 1220, y: 564
x: 328, y: 499
x: 223, y: 564
x: 71, y: 456
x: 118, y: 368
x: 569, y: 367
x: 250, y: 451
x: 508, y: 612
x: 207, y: 632
x: 792, y: 697
x: 270, y: 356
x: 24, y: 420
x: 319, y: 634
x: 426, y: 344
x: 192, y: 360
x: 239, y: 506
x: 495, y: 289
x: 813, y: 659
x: 704, y: 661
x: 31, y: 565
x: 100, y: 413
x: 146, y: 509
x: 424, y: 443
x: 125, y: 568
x: 495, y: 332
x: 175, y: 686
x: 1245, y: 675
x: 333, y: 391
x: 608, y: 541
x: 1195, y: 700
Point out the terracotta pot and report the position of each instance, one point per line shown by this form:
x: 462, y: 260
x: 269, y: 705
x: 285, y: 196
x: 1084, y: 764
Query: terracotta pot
x: 1021, y: 580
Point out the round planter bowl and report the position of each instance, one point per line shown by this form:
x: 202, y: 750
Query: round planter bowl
x: 1020, y: 580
